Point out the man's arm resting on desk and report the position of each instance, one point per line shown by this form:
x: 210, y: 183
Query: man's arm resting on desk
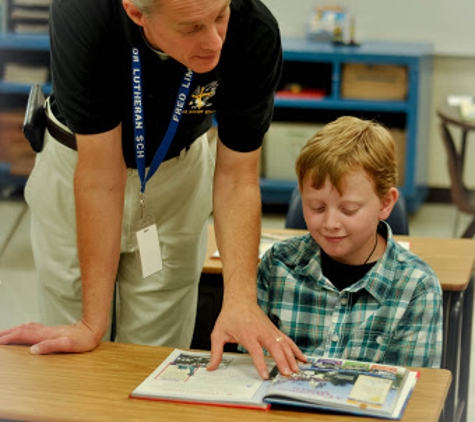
x: 237, y: 209
x: 99, y: 185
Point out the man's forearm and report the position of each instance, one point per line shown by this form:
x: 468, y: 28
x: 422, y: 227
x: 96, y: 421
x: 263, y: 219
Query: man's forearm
x: 237, y: 217
x: 99, y: 220
x: 99, y: 187
x: 237, y: 228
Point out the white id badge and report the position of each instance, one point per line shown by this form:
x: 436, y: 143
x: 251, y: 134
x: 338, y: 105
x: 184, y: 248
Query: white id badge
x: 147, y: 247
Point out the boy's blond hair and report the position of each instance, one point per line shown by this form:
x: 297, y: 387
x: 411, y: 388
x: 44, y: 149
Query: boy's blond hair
x: 349, y: 144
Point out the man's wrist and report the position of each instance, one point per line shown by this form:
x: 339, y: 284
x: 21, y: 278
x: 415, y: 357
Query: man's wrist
x: 233, y: 296
x: 97, y: 326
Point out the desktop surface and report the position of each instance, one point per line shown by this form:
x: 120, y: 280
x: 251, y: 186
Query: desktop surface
x: 451, y: 259
x: 95, y: 386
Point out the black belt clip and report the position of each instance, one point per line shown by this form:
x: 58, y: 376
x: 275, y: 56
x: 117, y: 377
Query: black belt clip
x: 34, y: 123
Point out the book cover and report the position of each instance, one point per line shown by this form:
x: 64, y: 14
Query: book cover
x: 337, y: 385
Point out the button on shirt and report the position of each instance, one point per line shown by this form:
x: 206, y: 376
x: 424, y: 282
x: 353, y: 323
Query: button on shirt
x: 392, y: 315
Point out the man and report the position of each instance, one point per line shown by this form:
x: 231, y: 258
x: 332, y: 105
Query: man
x: 128, y: 79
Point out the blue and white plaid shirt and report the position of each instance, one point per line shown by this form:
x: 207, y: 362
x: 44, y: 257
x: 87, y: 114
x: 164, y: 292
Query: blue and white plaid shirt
x: 392, y: 315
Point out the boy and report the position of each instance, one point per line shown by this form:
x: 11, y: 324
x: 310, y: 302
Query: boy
x: 348, y: 289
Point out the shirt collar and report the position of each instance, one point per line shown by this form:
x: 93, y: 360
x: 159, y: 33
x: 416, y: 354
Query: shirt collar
x: 309, y: 265
x: 378, y: 281
x: 159, y: 53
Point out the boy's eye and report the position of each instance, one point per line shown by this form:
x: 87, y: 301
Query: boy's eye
x: 349, y: 211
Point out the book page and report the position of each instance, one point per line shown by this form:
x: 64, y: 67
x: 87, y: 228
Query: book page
x: 370, y: 390
x: 358, y: 387
x: 183, y: 376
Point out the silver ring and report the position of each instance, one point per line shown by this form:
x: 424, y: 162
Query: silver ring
x: 279, y: 339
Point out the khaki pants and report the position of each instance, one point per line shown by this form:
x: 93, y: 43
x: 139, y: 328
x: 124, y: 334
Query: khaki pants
x: 157, y: 310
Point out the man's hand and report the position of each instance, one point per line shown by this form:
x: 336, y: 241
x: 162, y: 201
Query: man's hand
x: 74, y: 338
x: 246, y: 324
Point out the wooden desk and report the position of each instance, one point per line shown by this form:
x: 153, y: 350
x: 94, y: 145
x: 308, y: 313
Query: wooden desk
x: 213, y: 265
x: 95, y: 386
x: 453, y: 261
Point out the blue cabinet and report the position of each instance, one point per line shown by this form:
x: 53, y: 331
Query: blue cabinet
x: 29, y: 49
x: 20, y: 54
x: 323, y: 64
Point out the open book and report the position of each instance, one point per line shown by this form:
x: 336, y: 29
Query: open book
x: 331, y: 384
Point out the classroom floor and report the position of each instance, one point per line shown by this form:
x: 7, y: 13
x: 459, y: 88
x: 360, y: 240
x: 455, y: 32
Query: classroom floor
x: 17, y: 271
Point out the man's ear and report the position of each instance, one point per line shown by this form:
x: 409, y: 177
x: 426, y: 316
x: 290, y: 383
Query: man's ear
x: 132, y: 12
x: 387, y: 203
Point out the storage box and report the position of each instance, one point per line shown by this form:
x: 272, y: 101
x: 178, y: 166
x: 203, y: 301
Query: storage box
x: 374, y: 82
x: 282, y: 145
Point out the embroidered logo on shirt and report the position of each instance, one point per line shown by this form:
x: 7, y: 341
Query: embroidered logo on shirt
x: 200, y: 100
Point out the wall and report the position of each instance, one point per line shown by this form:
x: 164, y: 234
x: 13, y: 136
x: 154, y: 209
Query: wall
x: 454, y: 44
x: 448, y: 24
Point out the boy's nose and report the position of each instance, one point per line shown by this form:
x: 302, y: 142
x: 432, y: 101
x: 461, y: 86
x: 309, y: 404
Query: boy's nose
x: 331, y: 221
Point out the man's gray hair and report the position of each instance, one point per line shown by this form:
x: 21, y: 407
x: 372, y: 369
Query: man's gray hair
x: 147, y: 7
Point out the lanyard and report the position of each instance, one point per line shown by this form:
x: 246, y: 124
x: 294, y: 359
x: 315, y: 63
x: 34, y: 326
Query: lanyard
x: 138, y: 117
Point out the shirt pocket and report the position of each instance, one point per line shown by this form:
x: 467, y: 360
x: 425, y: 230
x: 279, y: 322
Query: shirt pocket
x: 368, y: 345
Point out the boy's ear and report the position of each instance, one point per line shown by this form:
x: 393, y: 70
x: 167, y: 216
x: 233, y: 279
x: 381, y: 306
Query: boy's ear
x: 387, y: 203
x: 132, y: 12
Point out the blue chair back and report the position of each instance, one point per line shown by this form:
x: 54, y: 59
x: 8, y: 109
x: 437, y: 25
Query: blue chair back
x: 397, y: 220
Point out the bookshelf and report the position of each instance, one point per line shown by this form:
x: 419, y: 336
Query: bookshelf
x: 320, y: 67
x: 24, y: 49
x: 24, y: 60
x: 26, y: 16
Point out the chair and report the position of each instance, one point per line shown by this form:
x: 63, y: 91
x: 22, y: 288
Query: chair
x: 462, y: 197
x: 397, y: 220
